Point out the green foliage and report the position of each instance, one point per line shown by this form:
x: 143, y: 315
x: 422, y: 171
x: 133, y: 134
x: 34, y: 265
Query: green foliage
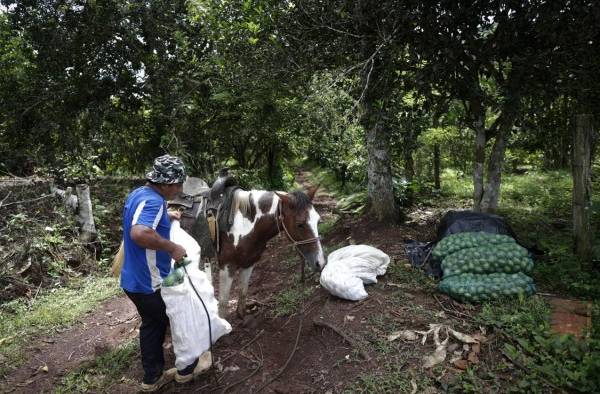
x: 354, y: 203
x: 73, y: 170
x: 394, y: 379
x: 290, y: 300
x: 516, y: 317
x: 105, y: 370
x: 327, y: 225
x: 561, y: 360
x: 23, y: 321
x: 48, y: 242
x: 337, y: 137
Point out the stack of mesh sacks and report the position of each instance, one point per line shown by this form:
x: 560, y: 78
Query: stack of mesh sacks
x: 481, y: 266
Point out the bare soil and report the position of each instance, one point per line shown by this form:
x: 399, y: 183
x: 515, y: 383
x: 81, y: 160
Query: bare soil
x: 323, y: 359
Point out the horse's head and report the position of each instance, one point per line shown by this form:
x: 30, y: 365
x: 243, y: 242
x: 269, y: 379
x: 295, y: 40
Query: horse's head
x: 299, y: 220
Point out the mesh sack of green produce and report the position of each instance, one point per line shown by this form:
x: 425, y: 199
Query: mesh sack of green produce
x: 477, y: 288
x: 456, y: 242
x: 508, y: 258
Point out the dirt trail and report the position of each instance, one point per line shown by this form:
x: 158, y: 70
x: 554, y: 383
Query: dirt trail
x: 259, y: 345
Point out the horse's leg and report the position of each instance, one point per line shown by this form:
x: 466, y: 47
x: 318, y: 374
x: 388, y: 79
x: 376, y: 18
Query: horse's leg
x: 244, y: 281
x: 225, y: 280
x: 208, y: 270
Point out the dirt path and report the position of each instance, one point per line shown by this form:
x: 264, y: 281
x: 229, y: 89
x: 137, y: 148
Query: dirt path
x: 260, y: 345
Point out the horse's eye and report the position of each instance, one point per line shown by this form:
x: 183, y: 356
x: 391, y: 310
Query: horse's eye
x: 300, y: 225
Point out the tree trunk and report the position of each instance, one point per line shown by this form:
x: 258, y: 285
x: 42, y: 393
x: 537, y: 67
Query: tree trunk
x: 376, y: 87
x: 379, y: 171
x: 86, y: 218
x: 583, y: 141
x: 409, y: 169
x: 272, y: 167
x: 436, y: 167
x: 489, y: 202
x: 479, y: 159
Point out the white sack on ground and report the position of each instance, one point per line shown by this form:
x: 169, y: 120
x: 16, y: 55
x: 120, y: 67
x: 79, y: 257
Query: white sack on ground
x: 189, y: 326
x: 349, y: 268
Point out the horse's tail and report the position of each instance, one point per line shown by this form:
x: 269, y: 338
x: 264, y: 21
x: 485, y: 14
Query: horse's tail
x: 117, y: 264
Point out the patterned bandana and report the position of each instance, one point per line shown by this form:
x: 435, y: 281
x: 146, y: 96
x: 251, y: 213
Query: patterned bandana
x: 167, y: 169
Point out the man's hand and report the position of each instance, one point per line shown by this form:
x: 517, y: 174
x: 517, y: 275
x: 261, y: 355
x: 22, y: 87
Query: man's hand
x: 178, y: 252
x: 174, y: 214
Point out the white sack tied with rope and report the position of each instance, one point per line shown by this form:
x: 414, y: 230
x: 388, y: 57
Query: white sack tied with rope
x: 348, y: 269
x: 189, y: 325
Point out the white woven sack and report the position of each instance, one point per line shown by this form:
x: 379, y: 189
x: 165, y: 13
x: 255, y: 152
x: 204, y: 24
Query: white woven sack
x: 189, y: 325
x: 348, y: 269
x: 375, y: 257
x: 339, y: 281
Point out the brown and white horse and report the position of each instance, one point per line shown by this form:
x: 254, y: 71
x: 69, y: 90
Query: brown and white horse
x: 258, y: 216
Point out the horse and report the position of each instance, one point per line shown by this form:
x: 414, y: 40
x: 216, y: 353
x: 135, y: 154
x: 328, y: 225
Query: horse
x: 258, y: 216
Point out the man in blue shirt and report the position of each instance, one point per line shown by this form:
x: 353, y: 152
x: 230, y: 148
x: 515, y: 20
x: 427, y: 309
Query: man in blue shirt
x: 147, y: 260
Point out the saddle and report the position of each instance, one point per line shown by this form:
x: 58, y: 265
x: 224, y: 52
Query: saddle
x: 205, y: 211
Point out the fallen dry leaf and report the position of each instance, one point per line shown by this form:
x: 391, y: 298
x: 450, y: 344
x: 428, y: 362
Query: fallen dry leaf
x: 473, y: 358
x: 437, y: 357
x: 461, y: 364
x: 456, y: 356
x: 462, y: 337
x: 479, y: 337
x: 6, y: 339
x: 406, y: 335
x: 414, y: 386
x: 440, y: 351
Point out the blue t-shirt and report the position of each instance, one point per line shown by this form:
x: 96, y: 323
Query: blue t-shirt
x: 143, y: 269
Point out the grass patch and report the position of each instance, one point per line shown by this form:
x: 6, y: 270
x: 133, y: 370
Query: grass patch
x: 392, y: 379
x: 21, y: 321
x: 102, y: 373
x: 290, y: 300
x: 381, y: 323
x: 549, y: 361
x: 408, y: 277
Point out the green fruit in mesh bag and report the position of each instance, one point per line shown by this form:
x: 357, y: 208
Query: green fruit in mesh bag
x: 477, y: 287
x: 490, y: 258
x: 455, y: 242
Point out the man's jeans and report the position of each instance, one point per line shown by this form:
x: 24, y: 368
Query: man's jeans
x: 152, y: 332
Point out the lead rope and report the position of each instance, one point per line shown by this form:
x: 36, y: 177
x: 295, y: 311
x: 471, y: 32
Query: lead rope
x: 282, y: 370
x: 303, y: 290
x: 209, y: 325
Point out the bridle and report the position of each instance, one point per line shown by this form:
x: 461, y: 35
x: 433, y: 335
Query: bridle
x: 294, y: 242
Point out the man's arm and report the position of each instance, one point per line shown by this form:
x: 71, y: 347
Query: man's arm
x: 147, y: 238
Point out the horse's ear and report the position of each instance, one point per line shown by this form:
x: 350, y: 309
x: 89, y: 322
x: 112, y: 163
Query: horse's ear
x: 284, y: 197
x: 312, y: 191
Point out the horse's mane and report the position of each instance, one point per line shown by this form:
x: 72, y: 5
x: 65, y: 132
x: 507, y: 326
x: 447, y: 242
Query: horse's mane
x: 241, y: 202
x: 301, y: 200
